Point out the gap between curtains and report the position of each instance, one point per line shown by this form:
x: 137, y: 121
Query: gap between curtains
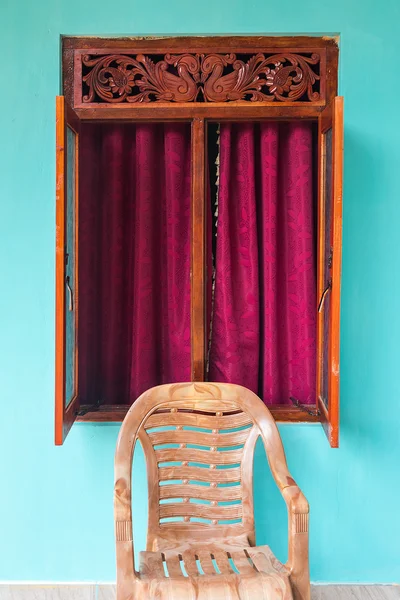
x: 264, y: 325
x: 134, y: 259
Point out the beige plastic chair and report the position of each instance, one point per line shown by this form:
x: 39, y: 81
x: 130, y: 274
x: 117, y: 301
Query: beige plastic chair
x: 201, y: 539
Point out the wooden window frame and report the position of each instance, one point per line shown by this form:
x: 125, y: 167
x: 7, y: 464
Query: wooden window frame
x: 65, y: 409
x: 97, y: 102
x: 329, y: 275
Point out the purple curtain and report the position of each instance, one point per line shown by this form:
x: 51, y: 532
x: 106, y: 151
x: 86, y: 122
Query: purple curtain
x: 264, y: 323
x: 134, y: 257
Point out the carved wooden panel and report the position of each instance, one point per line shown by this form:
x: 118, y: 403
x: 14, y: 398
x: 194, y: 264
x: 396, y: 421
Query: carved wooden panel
x: 261, y: 77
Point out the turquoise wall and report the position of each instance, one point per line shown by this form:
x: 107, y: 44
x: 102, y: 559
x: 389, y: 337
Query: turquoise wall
x: 56, y: 503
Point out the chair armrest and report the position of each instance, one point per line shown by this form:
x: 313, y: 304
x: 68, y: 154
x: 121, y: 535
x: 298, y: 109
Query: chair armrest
x: 126, y: 573
x: 297, y: 506
x: 295, y: 500
x: 298, y: 563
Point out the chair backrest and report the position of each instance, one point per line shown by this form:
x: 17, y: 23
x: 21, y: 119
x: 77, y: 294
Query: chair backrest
x: 199, y: 441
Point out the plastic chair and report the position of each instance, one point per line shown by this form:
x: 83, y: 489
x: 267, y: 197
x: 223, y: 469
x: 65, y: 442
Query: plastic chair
x: 199, y: 439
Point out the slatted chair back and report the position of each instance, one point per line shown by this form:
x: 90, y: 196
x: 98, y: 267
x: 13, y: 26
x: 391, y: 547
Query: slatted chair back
x: 199, y: 443
x: 200, y: 456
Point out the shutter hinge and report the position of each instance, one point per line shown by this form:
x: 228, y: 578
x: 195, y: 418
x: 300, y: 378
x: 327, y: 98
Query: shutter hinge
x: 304, y: 408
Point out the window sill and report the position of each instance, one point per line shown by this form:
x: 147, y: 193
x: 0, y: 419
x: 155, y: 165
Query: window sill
x: 107, y: 413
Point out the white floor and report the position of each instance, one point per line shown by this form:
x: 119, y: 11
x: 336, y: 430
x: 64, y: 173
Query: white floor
x: 107, y: 592
x: 356, y: 592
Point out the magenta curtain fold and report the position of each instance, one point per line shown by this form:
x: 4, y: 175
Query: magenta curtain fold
x: 264, y: 323
x: 134, y: 275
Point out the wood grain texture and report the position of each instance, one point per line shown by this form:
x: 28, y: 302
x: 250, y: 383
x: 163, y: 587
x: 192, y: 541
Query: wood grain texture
x: 65, y: 412
x: 330, y: 120
x: 265, y: 76
x: 198, y: 250
x: 217, y: 43
x: 197, y: 474
x: 162, y: 419
x: 232, y: 111
x: 230, y: 69
x: 205, y: 511
x: 334, y: 349
x: 177, y: 544
x: 206, y: 457
x: 180, y: 436
x: 219, y: 494
x: 215, y: 70
x: 284, y: 414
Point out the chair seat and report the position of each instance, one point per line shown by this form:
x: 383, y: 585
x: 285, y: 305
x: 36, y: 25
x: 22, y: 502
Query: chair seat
x: 213, y: 572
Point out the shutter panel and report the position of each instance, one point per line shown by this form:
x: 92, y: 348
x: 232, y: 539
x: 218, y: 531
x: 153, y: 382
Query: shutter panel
x: 66, y: 384
x: 330, y: 140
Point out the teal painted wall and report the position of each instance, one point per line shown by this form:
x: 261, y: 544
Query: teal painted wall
x: 56, y: 503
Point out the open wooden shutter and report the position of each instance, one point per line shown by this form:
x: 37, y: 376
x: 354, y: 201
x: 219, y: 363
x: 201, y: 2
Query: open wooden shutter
x: 66, y: 384
x: 330, y: 139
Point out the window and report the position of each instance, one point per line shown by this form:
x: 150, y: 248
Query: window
x: 198, y: 222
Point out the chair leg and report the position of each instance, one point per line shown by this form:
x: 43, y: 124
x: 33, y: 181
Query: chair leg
x: 301, y: 585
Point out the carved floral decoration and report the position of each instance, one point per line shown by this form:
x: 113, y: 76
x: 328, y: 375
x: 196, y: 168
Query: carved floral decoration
x: 284, y: 77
